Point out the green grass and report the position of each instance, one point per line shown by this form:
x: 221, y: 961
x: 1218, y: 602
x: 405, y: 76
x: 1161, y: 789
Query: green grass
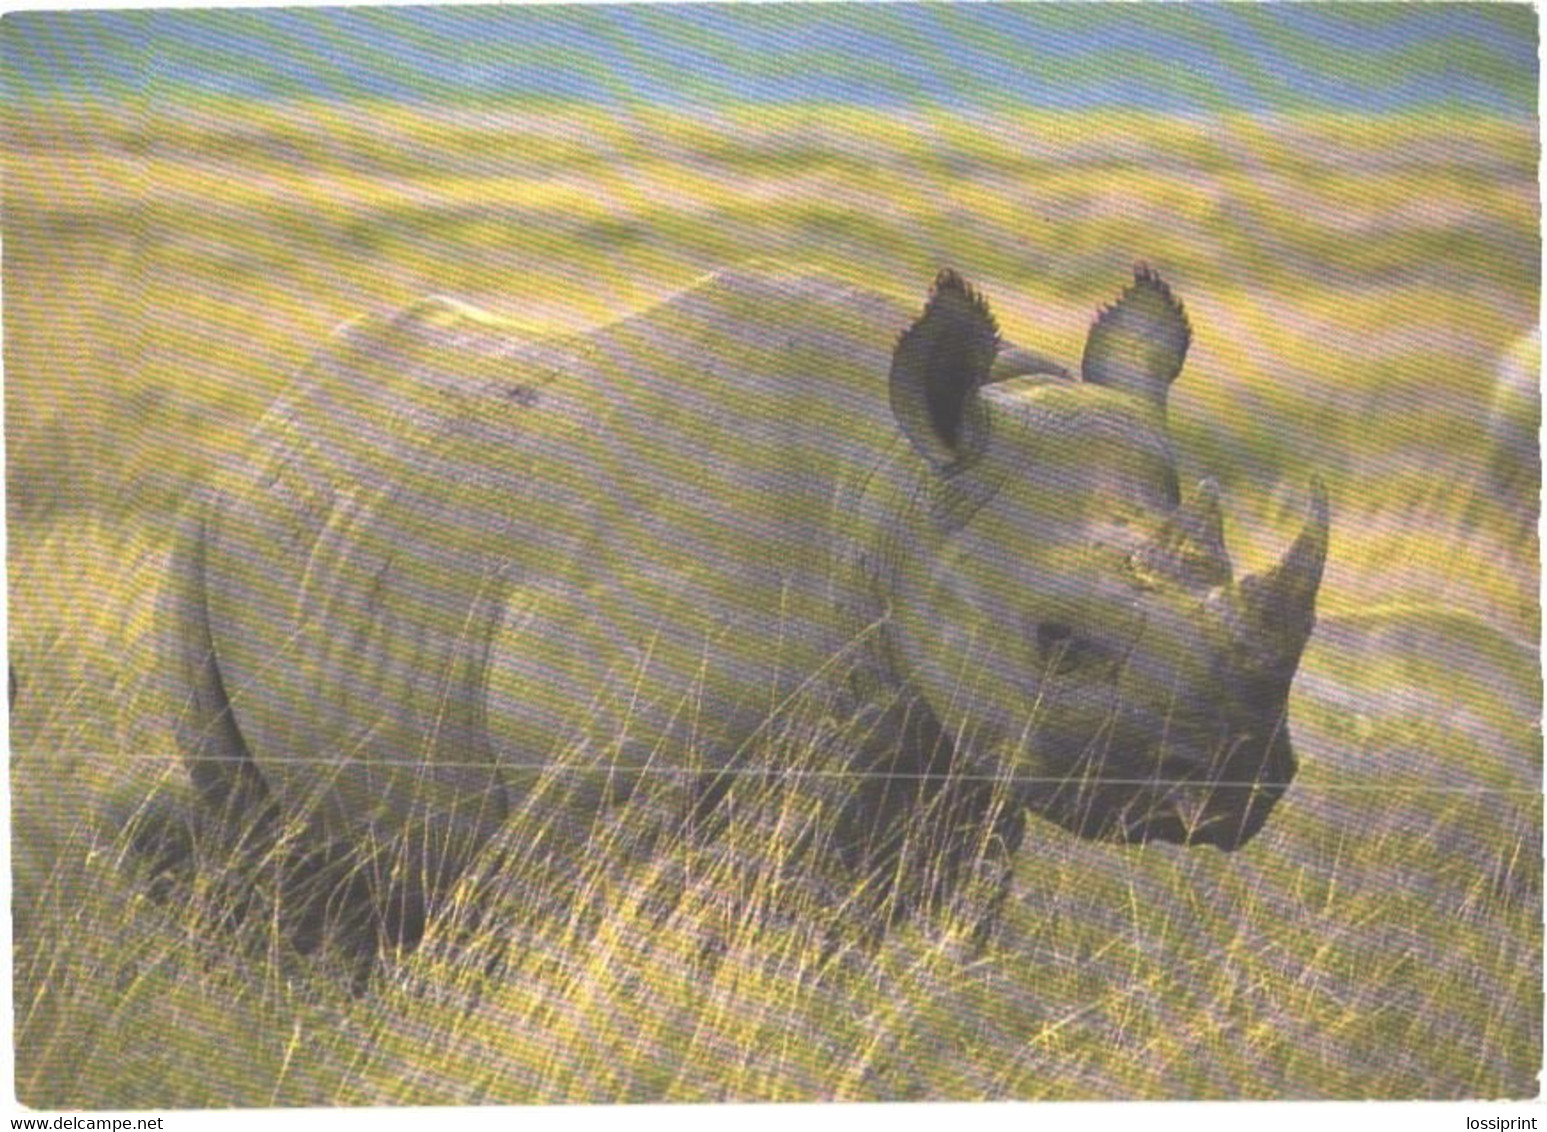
x: 1351, y: 284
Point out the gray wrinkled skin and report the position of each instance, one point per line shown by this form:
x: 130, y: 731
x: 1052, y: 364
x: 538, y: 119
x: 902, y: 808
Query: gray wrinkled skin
x: 451, y: 557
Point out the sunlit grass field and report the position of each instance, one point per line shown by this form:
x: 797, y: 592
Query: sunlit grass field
x: 1353, y: 284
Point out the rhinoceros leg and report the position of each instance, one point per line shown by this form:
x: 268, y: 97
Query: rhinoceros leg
x: 982, y: 831
x: 922, y: 836
x: 327, y: 902
x: 321, y: 893
x: 240, y: 817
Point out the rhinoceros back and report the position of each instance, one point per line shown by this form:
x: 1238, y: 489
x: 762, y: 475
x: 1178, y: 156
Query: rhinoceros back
x: 430, y: 470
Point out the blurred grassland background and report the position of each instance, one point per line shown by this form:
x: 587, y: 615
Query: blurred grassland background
x: 1346, y: 200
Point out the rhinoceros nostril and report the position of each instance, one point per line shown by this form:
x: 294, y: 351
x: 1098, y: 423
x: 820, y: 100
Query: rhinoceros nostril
x: 1062, y: 651
x: 1053, y: 634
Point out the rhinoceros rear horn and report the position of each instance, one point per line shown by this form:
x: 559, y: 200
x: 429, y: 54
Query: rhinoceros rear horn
x: 1281, y: 602
x: 1203, y: 521
x: 1138, y: 344
x: 938, y: 365
x: 1192, y: 542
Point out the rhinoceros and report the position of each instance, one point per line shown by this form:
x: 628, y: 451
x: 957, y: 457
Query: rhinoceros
x: 451, y: 559
x: 1513, y: 477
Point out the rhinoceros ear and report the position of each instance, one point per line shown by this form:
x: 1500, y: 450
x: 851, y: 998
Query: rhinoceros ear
x: 939, y: 363
x: 1139, y: 342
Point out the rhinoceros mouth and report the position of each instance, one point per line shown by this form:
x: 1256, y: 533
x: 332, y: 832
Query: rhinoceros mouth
x: 1224, y: 816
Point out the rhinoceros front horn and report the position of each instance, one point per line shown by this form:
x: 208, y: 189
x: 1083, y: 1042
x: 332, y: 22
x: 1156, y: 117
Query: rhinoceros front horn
x: 1281, y: 602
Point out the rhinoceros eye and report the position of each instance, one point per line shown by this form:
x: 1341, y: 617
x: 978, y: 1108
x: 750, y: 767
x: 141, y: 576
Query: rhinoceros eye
x: 1064, y: 652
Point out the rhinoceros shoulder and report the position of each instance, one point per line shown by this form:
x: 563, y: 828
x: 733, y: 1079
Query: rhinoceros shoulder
x: 774, y: 307
x: 436, y: 348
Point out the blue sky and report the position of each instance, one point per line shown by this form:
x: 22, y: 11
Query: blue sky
x: 1192, y: 57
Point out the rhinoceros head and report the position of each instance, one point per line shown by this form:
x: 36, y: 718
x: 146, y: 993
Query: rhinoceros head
x: 1073, y: 622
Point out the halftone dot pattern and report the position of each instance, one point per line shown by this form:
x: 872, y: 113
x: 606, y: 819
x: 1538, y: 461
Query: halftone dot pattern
x: 212, y: 219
